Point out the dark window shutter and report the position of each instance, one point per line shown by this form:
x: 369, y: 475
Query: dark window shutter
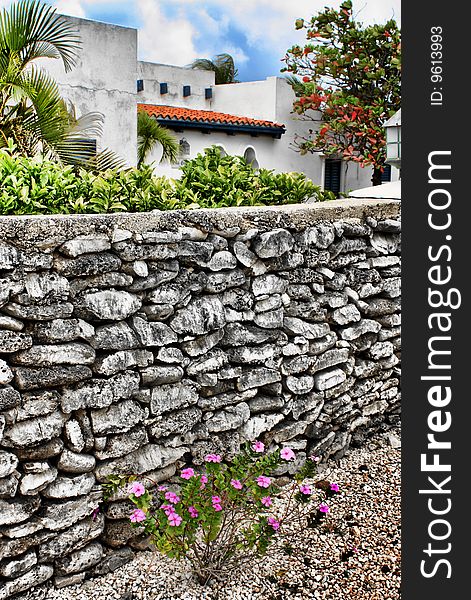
x: 386, y: 174
x: 140, y: 85
x: 332, y: 175
x: 164, y: 88
x: 186, y: 91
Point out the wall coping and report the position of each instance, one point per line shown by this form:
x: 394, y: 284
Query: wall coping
x: 27, y: 229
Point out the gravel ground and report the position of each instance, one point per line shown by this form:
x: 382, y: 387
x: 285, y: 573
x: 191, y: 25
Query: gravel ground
x: 358, y: 559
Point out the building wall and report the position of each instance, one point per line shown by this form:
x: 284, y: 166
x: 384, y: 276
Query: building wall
x: 141, y: 343
x: 104, y: 81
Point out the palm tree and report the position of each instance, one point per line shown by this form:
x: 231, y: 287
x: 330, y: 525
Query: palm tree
x: 222, y: 65
x: 32, y: 111
x: 150, y: 133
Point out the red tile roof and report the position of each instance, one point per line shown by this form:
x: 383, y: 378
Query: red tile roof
x: 203, y: 116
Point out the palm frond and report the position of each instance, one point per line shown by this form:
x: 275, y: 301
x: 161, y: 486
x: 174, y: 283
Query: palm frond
x: 222, y: 65
x: 150, y: 133
x: 32, y: 29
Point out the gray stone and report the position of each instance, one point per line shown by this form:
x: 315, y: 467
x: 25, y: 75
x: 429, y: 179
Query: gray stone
x: 195, y: 252
x: 362, y: 327
x: 77, y: 536
x: 72, y: 353
x: 8, y: 463
x: 253, y: 354
x: 299, y: 385
x: 273, y: 243
x: 10, y: 323
x: 180, y: 422
x: 392, y: 287
x: 244, y: 255
x: 48, y: 286
x: 225, y: 399
x: 346, y: 314
x: 9, y: 397
x: 311, y: 404
x: 237, y: 334
x: 33, y: 483
x: 230, y: 418
x: 158, y: 375
x: 18, y: 510
x: 321, y: 236
x: 329, y: 378
x: 330, y: 358
x: 60, y: 516
x: 118, y: 336
x: 143, y: 460
x: 114, y: 561
x: 88, y: 264
x: 203, y: 344
x: 37, y: 575
x: 381, y: 306
x: 9, y: 485
x: 45, y: 450
x: 310, y: 331
x: 269, y: 284
x: 258, y: 425
x: 110, y: 305
x: 117, y: 417
x: 34, y: 431
x: 168, y: 294
x: 67, y: 580
x: 63, y: 330
x: 261, y: 404
x: 73, y: 462
x: 40, y: 313
x: 6, y: 374
x: 257, y: 377
x: 202, y: 315
x: 285, y: 431
x: 381, y: 350
x: 11, y: 341
x: 173, y: 397
x: 192, y: 233
x: 211, y: 361
x: 74, y: 436
x: 270, y: 320
x: 221, y: 261
x: 172, y: 355
x: 14, y: 568
x: 298, y: 364
x: 32, y: 379
x: 80, y: 560
x: 8, y: 256
x: 86, y: 244
x: 112, y: 279
x: 121, y: 444
x: 219, y: 282
x: 153, y: 334
x: 110, y: 364
x: 99, y: 393
x: 70, y: 487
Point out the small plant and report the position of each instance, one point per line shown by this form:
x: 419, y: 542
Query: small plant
x: 221, y: 518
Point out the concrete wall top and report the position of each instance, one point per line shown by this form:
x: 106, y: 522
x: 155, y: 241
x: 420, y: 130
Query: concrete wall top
x: 46, y: 231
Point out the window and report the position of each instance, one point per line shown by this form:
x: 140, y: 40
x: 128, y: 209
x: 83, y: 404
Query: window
x: 386, y: 174
x: 140, y: 85
x: 186, y: 91
x: 164, y: 88
x: 332, y: 174
x: 251, y: 159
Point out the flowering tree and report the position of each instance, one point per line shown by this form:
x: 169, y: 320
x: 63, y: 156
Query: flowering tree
x: 223, y: 516
x: 348, y: 77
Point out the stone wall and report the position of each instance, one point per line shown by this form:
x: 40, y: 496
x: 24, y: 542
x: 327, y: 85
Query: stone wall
x: 143, y: 342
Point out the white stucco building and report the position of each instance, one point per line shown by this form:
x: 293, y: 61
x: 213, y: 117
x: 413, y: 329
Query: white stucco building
x: 252, y: 119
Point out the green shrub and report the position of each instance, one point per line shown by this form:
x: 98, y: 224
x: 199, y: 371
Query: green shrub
x: 38, y: 186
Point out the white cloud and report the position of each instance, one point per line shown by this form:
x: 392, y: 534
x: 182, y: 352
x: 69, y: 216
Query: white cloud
x: 74, y: 8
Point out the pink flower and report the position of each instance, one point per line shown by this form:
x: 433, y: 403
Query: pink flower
x: 305, y: 489
x: 137, y: 516
x: 334, y: 487
x: 162, y: 488
x: 263, y: 481
x: 138, y: 489
x: 287, y: 454
x: 215, y: 499
x: 217, y: 507
x: 174, y: 520
x: 258, y: 447
x: 266, y: 501
x: 274, y: 523
x: 215, y: 458
x: 314, y: 458
x: 187, y: 473
x: 193, y: 512
x: 236, y: 484
x: 168, y: 509
x: 171, y: 497
x: 204, y: 479
x: 323, y: 508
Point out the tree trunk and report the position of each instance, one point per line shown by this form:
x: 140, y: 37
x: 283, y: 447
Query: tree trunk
x: 376, y: 179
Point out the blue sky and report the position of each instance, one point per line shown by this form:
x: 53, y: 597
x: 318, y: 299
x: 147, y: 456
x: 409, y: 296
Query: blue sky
x: 256, y: 32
